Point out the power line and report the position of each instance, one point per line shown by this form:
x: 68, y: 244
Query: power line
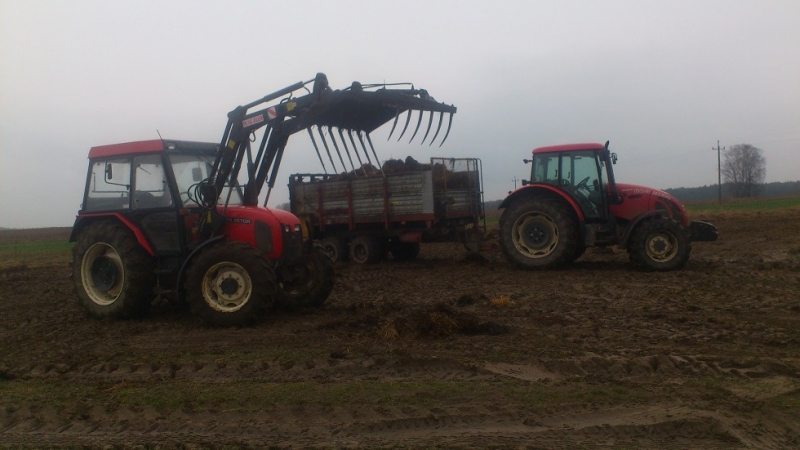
x: 719, y: 170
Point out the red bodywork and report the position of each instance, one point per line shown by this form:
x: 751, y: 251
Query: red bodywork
x: 541, y: 186
x: 637, y: 200
x: 569, y: 148
x: 240, y: 222
x: 128, y: 148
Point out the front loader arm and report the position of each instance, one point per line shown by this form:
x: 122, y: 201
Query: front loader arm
x: 355, y: 111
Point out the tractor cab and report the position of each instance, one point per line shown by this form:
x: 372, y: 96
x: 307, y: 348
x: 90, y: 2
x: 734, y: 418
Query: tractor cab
x: 582, y: 171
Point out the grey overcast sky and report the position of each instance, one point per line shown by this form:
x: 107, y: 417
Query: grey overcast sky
x: 662, y: 80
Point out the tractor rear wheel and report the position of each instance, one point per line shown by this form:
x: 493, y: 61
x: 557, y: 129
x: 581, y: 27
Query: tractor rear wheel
x: 309, y: 284
x: 230, y: 284
x: 113, y: 274
x: 659, y: 244
x: 366, y: 250
x: 336, y: 248
x: 538, y: 233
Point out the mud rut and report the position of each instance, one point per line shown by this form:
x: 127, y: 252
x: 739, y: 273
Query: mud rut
x: 444, y: 351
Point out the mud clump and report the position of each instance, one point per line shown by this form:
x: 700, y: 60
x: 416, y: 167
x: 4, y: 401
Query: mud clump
x: 439, y: 321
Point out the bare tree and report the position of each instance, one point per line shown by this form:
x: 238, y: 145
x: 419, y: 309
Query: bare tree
x: 744, y: 169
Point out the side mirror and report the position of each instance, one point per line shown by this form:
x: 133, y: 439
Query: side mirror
x: 524, y: 182
x: 108, y: 171
x: 197, y: 174
x: 526, y: 161
x: 614, y: 158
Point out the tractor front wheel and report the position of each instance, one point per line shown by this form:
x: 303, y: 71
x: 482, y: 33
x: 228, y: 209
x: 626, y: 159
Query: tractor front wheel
x: 230, y: 284
x: 659, y: 244
x: 308, y: 284
x: 538, y: 233
x: 113, y: 274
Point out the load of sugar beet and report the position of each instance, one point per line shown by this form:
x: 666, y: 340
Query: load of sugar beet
x: 442, y: 176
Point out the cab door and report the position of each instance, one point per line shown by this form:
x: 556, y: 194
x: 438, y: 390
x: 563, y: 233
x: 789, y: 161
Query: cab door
x: 581, y: 175
x: 152, y: 204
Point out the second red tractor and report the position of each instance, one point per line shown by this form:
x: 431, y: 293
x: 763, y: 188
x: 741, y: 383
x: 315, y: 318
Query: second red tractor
x: 572, y: 202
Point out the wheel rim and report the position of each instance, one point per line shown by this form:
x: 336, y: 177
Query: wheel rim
x: 227, y: 287
x: 102, y: 274
x: 661, y: 246
x: 535, y: 235
x: 331, y: 249
x: 360, y: 252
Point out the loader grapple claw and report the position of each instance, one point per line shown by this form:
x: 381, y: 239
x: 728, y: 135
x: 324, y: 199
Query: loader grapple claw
x: 358, y: 109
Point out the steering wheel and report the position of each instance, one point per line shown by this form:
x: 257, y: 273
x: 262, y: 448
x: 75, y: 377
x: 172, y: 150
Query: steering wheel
x: 583, y: 184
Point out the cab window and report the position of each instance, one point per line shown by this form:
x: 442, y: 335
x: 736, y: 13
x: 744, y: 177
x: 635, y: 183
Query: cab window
x: 151, y: 189
x: 109, y: 185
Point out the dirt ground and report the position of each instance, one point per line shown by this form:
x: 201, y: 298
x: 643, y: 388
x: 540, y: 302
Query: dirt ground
x: 442, y: 352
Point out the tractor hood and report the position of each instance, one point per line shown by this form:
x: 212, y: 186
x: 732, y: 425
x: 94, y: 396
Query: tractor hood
x: 275, y: 232
x: 248, y: 214
x: 625, y: 189
x: 638, y: 200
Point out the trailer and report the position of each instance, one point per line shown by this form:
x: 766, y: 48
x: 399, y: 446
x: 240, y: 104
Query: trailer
x: 365, y: 215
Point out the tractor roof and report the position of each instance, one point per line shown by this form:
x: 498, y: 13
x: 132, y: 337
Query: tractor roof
x: 569, y: 148
x: 152, y: 146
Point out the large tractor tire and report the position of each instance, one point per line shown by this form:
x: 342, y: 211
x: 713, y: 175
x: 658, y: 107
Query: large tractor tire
x: 366, y: 250
x: 309, y: 284
x: 660, y: 245
x: 113, y: 274
x: 404, y: 251
x: 230, y: 284
x: 580, y: 249
x: 336, y: 248
x: 538, y: 233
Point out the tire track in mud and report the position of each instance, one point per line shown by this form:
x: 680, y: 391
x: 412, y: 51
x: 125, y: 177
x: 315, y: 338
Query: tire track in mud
x: 411, y: 368
x: 653, y: 426
x: 659, y: 425
x: 709, y: 356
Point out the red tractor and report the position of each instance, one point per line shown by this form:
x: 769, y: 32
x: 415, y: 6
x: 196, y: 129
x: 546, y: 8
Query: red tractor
x: 169, y: 217
x: 573, y: 202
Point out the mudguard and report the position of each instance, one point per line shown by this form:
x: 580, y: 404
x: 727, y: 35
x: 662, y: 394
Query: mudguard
x: 702, y: 231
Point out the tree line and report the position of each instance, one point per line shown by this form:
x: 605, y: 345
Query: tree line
x: 710, y: 192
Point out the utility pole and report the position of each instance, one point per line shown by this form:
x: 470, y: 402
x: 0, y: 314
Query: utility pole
x: 515, y: 183
x: 719, y: 170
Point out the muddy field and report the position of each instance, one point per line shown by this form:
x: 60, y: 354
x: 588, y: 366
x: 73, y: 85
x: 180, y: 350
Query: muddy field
x: 442, y: 352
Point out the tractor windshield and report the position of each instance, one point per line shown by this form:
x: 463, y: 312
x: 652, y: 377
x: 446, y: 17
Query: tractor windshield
x: 577, y: 172
x: 192, y: 168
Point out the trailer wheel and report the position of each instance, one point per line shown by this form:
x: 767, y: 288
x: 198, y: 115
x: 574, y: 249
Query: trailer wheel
x: 659, y: 244
x: 309, y: 284
x: 230, y: 284
x: 366, y: 250
x: 404, y: 251
x: 113, y: 274
x: 335, y: 248
x: 538, y: 233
